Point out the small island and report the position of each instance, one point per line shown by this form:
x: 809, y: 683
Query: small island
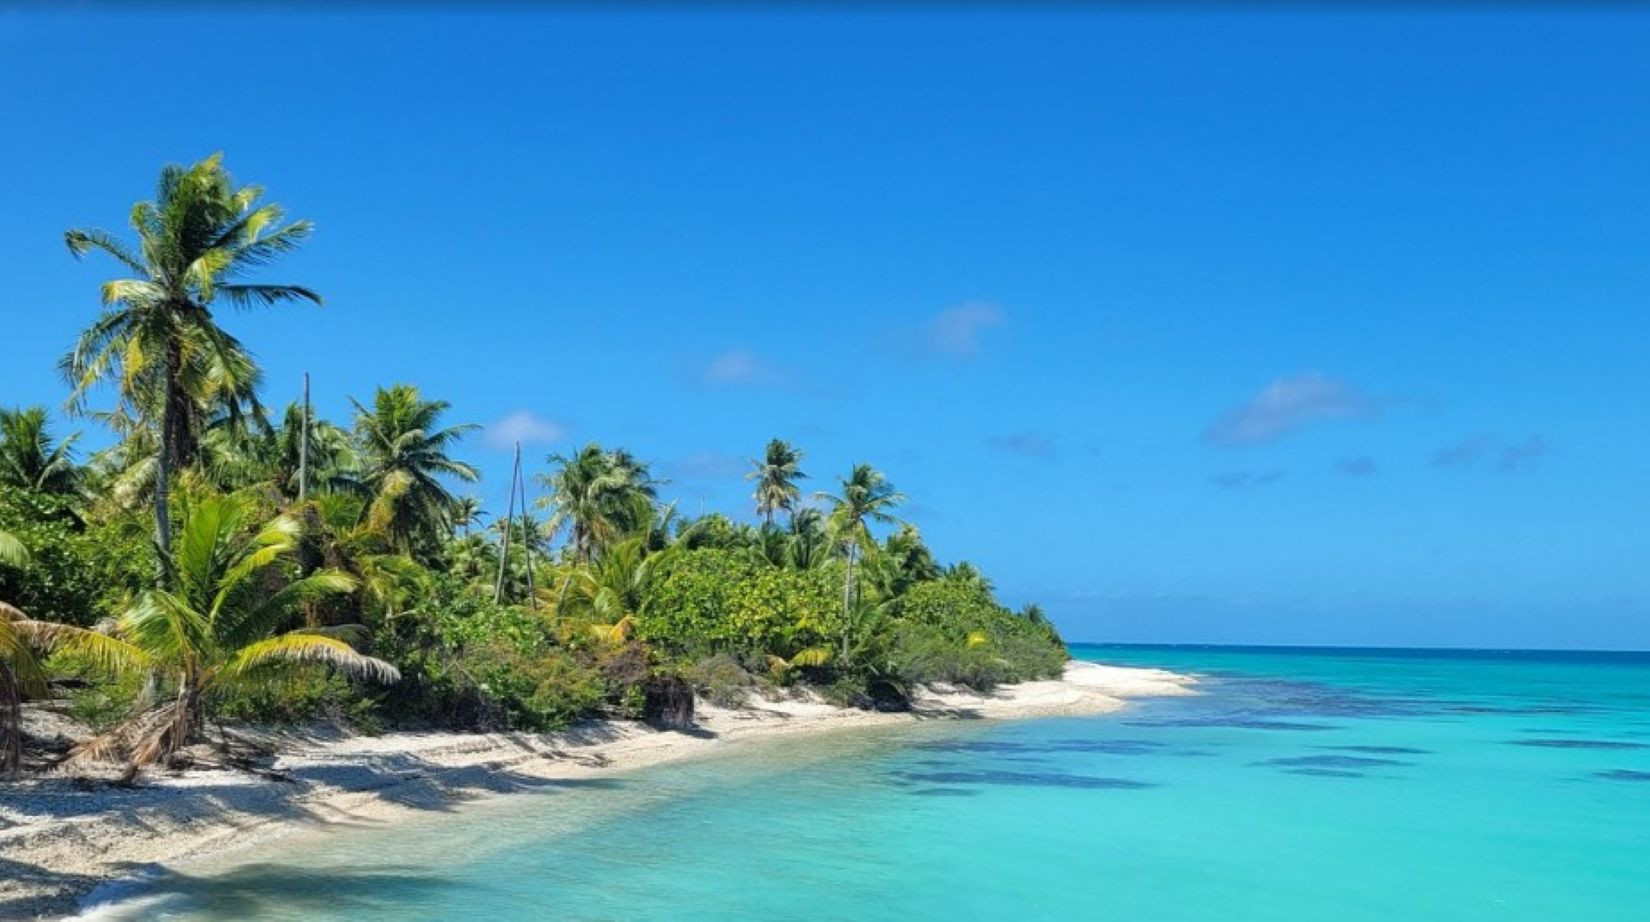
x: 303, y: 614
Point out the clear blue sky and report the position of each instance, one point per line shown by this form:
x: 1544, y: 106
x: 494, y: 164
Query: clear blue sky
x: 1214, y: 326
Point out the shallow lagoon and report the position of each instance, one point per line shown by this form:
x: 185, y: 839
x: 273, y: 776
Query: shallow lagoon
x: 1351, y: 784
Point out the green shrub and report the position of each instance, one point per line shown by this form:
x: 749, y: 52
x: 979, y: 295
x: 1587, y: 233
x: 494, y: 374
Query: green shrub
x: 77, y: 572
x: 711, y: 601
x: 952, y: 631
x: 467, y: 663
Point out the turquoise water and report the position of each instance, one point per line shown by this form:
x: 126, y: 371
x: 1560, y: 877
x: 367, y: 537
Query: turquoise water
x: 1301, y: 785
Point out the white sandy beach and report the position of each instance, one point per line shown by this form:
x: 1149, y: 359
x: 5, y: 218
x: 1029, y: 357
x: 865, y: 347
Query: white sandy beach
x: 60, y: 838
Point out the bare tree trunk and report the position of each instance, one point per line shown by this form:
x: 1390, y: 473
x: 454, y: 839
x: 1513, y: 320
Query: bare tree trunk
x: 303, y: 447
x: 509, y: 515
x: 526, y: 537
x: 847, y: 602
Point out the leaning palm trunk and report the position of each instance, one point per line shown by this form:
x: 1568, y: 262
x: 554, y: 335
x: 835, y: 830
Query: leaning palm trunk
x: 20, y: 674
x: 11, y: 721
x: 217, y: 629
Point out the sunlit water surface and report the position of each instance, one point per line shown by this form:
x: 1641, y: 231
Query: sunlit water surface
x: 1349, y: 785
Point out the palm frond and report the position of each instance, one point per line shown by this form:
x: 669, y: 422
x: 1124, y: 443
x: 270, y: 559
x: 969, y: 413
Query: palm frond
x: 12, y: 551
x: 310, y: 647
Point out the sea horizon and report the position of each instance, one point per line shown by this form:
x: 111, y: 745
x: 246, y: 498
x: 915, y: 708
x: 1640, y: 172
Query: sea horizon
x: 1394, y: 650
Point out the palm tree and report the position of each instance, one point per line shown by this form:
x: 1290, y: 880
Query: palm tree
x: 905, y: 561
x: 467, y: 513
x: 810, y: 540
x: 157, y: 338
x: 403, y: 457
x: 969, y: 575
x: 599, y: 495
x: 216, y: 629
x: 613, y: 590
x: 866, y: 497
x: 776, y: 473
x: 20, y: 672
x: 332, y: 454
x: 30, y: 459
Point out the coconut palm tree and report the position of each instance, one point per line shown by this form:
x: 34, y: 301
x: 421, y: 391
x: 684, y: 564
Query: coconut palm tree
x: 157, y: 338
x: 904, y: 561
x: 332, y: 454
x: 776, y: 473
x: 30, y: 459
x: 467, y: 513
x: 599, y: 496
x: 867, y: 497
x: 809, y: 544
x: 219, y: 626
x: 20, y: 672
x: 403, y: 460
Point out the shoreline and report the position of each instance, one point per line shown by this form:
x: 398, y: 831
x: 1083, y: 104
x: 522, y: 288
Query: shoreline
x: 61, y: 839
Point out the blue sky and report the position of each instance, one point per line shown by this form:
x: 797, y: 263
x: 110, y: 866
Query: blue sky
x: 1212, y: 326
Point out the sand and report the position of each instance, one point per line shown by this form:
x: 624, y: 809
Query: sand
x: 61, y: 838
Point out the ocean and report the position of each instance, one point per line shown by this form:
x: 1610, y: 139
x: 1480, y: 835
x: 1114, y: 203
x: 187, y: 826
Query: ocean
x: 1300, y: 784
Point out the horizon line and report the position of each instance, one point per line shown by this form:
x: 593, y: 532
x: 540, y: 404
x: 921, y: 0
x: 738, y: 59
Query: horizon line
x: 1343, y: 647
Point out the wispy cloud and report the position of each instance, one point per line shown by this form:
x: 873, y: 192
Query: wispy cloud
x: 1241, y: 480
x: 1491, y: 452
x: 1286, y: 405
x: 522, y: 426
x: 737, y: 367
x: 1033, y: 444
x: 1357, y: 467
x: 956, y: 330
x: 707, y: 465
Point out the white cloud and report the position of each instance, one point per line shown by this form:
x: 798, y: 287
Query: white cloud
x: 522, y: 426
x: 1240, y: 480
x: 1035, y: 444
x: 1489, y: 451
x: 707, y: 465
x: 956, y: 330
x: 739, y: 366
x: 1288, y: 404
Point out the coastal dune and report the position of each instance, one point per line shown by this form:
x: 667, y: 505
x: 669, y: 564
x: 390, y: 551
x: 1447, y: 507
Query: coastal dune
x: 60, y: 838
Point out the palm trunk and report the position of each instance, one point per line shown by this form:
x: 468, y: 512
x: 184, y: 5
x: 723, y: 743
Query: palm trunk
x: 847, y: 602
x: 11, y: 722
x: 163, y: 460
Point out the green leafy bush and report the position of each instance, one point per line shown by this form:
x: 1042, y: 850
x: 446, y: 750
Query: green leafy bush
x: 711, y: 601
x: 77, y: 572
x: 468, y: 663
x: 952, y: 631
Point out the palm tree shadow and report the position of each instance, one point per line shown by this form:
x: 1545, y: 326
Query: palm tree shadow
x: 263, y: 890
x: 45, y: 891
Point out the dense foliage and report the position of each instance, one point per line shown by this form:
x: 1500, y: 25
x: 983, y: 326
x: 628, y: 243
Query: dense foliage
x: 217, y: 563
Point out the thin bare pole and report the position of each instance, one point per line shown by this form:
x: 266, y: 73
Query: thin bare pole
x: 526, y: 539
x: 303, y: 447
x: 509, y: 514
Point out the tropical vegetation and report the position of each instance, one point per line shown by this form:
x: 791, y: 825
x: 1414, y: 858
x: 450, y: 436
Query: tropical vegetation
x: 218, y: 563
